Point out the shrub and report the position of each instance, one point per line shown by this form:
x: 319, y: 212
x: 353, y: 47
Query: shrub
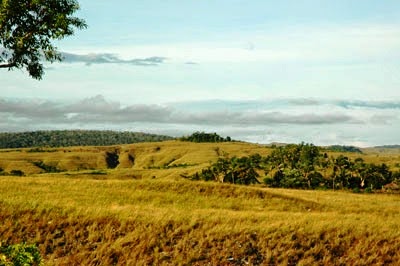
x: 20, y: 255
x: 47, y: 168
x: 17, y: 173
x: 112, y: 159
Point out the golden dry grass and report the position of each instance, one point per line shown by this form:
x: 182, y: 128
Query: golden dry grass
x: 91, y: 215
x: 183, y: 223
x: 146, y: 155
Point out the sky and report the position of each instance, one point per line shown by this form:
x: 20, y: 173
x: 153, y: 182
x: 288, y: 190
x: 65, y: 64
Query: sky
x: 320, y: 71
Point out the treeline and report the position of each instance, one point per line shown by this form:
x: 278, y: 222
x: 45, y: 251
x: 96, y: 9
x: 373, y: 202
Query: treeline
x: 344, y: 148
x: 301, y: 166
x: 205, y: 137
x: 64, y: 138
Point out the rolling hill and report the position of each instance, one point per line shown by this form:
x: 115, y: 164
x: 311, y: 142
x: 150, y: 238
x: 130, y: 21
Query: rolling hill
x: 129, y: 205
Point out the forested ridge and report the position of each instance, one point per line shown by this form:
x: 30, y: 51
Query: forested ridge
x: 65, y: 138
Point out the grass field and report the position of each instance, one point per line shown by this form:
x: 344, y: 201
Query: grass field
x: 124, y: 216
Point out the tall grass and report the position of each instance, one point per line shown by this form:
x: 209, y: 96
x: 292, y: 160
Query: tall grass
x: 178, y: 222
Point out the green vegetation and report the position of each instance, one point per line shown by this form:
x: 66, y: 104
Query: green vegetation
x: 205, y: 137
x: 388, y: 147
x: 40, y: 149
x: 65, y: 138
x: 17, y: 173
x: 342, y: 148
x: 234, y: 170
x: 112, y: 159
x: 47, y: 168
x: 19, y: 255
x: 12, y: 172
x: 27, y: 29
x: 300, y: 166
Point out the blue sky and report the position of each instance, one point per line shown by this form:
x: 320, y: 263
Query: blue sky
x: 326, y: 72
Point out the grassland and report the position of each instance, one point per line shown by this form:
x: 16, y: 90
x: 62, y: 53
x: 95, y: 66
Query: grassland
x: 144, y: 213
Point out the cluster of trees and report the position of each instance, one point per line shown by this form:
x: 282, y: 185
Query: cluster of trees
x: 243, y: 170
x: 64, y: 138
x: 205, y: 137
x: 304, y: 166
x: 344, y: 148
x: 300, y: 166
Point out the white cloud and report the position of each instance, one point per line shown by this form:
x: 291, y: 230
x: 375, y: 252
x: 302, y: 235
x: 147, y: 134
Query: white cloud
x: 354, y: 43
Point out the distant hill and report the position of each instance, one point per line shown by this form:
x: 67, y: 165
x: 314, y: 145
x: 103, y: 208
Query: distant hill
x: 388, y: 147
x: 65, y: 138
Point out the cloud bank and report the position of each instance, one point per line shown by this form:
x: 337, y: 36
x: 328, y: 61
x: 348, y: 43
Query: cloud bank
x: 314, y: 120
x: 109, y: 58
x: 98, y: 110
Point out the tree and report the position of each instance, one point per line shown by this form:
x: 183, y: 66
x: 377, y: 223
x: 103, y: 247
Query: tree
x: 308, y: 161
x: 27, y: 28
x: 341, y: 171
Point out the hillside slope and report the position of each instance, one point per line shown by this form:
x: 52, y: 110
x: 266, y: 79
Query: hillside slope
x: 142, y: 160
x: 167, y: 158
x: 129, y: 205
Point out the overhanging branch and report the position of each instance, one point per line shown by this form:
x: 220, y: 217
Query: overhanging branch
x: 7, y: 65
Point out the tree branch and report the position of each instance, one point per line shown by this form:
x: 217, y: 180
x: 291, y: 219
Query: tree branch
x: 9, y: 65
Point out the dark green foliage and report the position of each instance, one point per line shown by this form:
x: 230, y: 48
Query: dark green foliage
x: 64, y: 138
x: 27, y: 28
x: 205, y: 137
x: 17, y: 173
x: 396, y: 176
x: 232, y: 170
x: 343, y: 148
x: 388, y: 147
x: 112, y: 159
x: 41, y: 150
x: 294, y: 166
x: 19, y: 255
x: 47, y: 168
x: 301, y: 166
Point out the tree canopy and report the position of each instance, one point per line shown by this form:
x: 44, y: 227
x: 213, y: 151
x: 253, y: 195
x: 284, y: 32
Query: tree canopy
x: 27, y: 28
x: 301, y: 166
x: 205, y: 137
x: 65, y: 138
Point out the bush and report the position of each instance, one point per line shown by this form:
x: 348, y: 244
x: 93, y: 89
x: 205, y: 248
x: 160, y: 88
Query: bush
x: 368, y: 190
x: 112, y: 159
x: 20, y: 255
x: 17, y: 173
x: 47, y: 168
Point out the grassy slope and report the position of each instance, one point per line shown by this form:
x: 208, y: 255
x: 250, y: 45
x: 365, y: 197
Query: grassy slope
x: 145, y: 155
x: 151, y: 155
x: 79, y: 219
